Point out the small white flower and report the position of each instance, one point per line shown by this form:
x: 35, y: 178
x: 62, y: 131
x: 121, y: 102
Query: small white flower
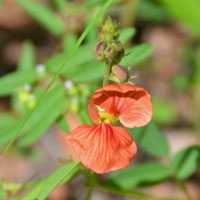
x: 40, y: 68
x: 68, y: 84
x: 27, y: 87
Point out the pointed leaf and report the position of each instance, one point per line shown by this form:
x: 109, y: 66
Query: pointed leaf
x: 45, y: 16
x: 137, y: 54
x: 64, y: 173
x: 139, y: 175
x: 27, y: 58
x: 186, y: 162
x: 151, y: 139
x: 9, y: 83
x: 126, y: 35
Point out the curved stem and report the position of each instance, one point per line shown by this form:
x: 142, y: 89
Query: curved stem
x: 180, y: 183
x: 134, y: 194
x: 182, y: 186
x: 89, y: 194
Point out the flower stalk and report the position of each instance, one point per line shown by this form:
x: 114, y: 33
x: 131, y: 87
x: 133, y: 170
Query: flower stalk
x: 106, y: 79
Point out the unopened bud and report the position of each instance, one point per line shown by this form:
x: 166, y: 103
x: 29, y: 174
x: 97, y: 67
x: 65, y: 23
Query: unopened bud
x: 118, y: 47
x: 114, y: 52
x: 110, y: 52
x: 120, y: 72
x: 99, y: 53
x: 109, y: 31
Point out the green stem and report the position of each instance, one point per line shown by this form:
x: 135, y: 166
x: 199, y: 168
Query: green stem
x: 134, y: 194
x: 106, y: 79
x: 182, y: 186
x: 89, y: 194
x: 179, y: 182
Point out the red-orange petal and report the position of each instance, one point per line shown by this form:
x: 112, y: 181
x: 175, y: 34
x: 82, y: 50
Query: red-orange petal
x: 92, y: 110
x: 102, y: 148
x: 131, y: 103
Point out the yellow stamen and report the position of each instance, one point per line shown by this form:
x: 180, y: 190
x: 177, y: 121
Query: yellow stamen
x: 107, y: 117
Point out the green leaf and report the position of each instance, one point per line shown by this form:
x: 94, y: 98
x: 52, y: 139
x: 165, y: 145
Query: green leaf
x: 186, y: 162
x: 89, y: 72
x: 151, y: 139
x: 92, y: 37
x: 49, y: 109
x: 69, y: 41
x: 45, y: 16
x: 9, y: 83
x: 151, y: 12
x: 185, y: 11
x: 83, y: 54
x: 6, y: 120
x: 64, y: 173
x: 34, y: 193
x: 27, y: 59
x: 60, y: 4
x: 137, y: 54
x: 139, y: 175
x: 9, y: 132
x: 126, y: 35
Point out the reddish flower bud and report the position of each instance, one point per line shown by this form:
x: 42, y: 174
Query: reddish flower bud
x: 99, y: 53
x: 120, y: 72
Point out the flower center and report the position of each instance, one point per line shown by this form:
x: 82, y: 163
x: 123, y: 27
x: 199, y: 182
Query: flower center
x: 107, y: 117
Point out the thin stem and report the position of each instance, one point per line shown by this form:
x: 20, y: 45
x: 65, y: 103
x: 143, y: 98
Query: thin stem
x: 134, y: 194
x: 89, y: 194
x: 182, y: 186
x: 179, y: 182
x: 89, y: 176
x: 106, y: 79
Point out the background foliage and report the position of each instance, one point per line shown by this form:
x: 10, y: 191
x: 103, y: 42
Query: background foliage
x: 48, y: 73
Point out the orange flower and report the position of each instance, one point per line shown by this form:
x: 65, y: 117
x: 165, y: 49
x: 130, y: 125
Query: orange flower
x: 105, y: 147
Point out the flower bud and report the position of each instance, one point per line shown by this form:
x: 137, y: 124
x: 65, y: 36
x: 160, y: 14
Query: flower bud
x: 117, y: 45
x: 109, y: 31
x: 99, y: 53
x: 120, y: 72
x: 110, y: 52
x: 114, y: 52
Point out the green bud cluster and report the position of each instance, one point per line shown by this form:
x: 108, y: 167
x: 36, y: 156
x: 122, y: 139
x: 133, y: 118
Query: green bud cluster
x: 109, y: 31
x: 109, y: 48
x: 26, y: 97
x: 10, y: 188
x: 75, y: 93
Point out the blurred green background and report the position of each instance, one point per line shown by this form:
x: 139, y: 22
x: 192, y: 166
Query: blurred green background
x: 162, y: 42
